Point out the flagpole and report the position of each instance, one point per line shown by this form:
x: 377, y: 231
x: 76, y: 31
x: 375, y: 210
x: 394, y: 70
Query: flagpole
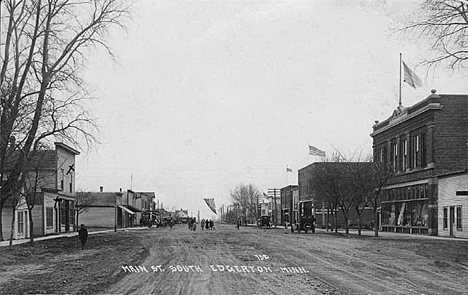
x: 399, y: 100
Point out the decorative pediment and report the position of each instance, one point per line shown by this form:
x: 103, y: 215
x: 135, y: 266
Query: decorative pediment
x: 398, y: 112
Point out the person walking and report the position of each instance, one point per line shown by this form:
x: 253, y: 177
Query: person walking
x: 83, y: 235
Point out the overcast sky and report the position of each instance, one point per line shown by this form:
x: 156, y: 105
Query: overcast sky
x: 205, y: 95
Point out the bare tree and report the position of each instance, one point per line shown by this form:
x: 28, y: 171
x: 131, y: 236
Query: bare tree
x: 43, y: 49
x: 32, y: 188
x: 246, y: 196
x: 331, y: 187
x: 82, y: 202
x: 382, y: 174
x: 16, y: 200
x: 361, y: 187
x: 444, y: 23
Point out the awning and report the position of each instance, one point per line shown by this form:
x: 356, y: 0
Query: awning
x: 126, y: 209
x: 134, y: 209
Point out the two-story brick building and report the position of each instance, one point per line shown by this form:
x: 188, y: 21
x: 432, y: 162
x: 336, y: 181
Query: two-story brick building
x: 421, y: 143
x: 50, y: 186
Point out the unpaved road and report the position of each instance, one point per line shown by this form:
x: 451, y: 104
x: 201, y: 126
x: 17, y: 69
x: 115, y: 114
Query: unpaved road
x: 258, y: 261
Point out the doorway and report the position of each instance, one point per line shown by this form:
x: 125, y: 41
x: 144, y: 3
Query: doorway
x: 451, y: 220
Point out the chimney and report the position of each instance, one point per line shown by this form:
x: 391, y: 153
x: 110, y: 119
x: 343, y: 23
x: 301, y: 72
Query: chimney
x: 101, y: 189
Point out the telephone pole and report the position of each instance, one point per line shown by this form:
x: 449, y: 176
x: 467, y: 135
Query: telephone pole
x: 272, y: 191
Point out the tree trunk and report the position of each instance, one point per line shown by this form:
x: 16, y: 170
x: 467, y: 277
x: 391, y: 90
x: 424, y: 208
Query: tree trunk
x: 13, y: 219
x: 376, y: 228
x: 335, y: 213
x: 359, y: 221
x: 31, y: 227
x: 346, y: 219
x: 1, y: 218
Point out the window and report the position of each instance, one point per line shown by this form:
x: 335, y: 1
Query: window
x: 459, y: 217
x: 49, y: 217
x: 445, y: 218
x: 395, y: 156
x: 404, y: 145
x: 20, y: 223
x: 423, y: 150
x: 383, y: 155
x: 415, y: 151
x: 62, y: 175
x: 71, y: 214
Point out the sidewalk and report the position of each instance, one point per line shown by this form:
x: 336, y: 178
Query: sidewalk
x: 368, y: 233
x: 64, y: 235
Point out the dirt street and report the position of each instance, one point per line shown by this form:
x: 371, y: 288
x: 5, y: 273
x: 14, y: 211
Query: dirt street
x: 254, y: 261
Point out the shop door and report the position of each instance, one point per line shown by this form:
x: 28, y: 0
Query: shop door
x: 452, y: 219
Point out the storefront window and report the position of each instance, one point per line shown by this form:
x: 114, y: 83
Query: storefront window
x: 49, y: 217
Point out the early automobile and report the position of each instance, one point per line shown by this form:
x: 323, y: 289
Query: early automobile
x: 264, y: 221
x: 306, y: 218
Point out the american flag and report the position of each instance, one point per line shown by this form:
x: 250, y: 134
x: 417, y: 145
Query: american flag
x: 211, y: 204
x: 410, y: 77
x: 315, y: 151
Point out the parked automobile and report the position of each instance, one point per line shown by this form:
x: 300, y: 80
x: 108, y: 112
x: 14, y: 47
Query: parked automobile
x: 264, y: 221
x: 306, y: 218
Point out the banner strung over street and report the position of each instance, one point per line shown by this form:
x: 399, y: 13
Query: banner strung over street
x: 211, y: 204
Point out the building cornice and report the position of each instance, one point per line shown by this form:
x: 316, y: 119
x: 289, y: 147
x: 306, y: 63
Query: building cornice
x: 397, y: 120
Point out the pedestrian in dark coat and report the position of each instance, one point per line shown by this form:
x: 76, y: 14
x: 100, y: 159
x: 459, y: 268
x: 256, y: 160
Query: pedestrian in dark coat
x: 83, y: 235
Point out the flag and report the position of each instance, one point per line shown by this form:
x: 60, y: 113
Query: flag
x: 315, y: 151
x: 410, y: 77
x: 211, y: 204
x: 288, y: 169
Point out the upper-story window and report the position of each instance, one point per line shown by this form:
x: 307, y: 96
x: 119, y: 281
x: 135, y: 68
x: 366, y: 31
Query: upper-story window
x: 404, y: 147
x: 394, y: 154
x: 62, y: 177
x: 416, y: 151
x: 423, y: 150
x: 382, y: 154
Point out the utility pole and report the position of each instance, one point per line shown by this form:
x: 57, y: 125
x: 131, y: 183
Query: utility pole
x: 256, y: 210
x: 276, y: 211
x: 272, y: 191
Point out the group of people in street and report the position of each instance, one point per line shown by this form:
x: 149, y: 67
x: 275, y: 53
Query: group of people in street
x: 207, y: 224
x: 204, y: 224
x: 192, y: 224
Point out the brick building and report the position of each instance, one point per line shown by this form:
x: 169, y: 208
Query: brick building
x: 287, y: 203
x: 421, y: 143
x: 310, y: 189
